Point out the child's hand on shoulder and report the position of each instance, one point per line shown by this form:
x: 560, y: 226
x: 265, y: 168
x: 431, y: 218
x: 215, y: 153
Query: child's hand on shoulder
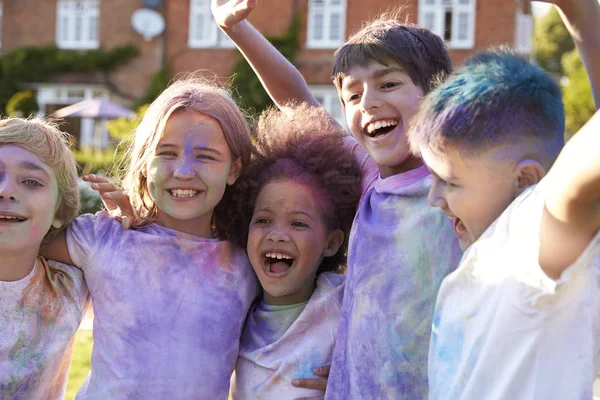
x: 228, y: 13
x: 115, y: 201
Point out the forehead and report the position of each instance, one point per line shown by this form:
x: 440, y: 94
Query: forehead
x: 370, y: 71
x: 194, y: 127
x: 19, y: 158
x: 288, y: 196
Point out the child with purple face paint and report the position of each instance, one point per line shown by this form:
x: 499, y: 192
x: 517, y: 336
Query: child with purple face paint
x: 170, y: 295
x: 296, y: 202
x: 41, y: 303
x: 400, y: 249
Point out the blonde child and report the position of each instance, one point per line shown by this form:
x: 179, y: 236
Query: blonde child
x: 41, y: 303
x: 170, y: 296
x: 296, y: 202
x: 400, y: 248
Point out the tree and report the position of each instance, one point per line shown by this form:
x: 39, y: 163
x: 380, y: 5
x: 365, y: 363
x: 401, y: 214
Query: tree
x: 557, y: 54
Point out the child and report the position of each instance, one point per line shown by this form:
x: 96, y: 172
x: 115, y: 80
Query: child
x: 41, y: 303
x: 400, y: 249
x: 170, y: 296
x: 297, y: 200
x: 519, y: 318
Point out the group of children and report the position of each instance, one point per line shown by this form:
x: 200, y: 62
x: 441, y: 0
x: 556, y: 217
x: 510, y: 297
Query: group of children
x: 179, y: 313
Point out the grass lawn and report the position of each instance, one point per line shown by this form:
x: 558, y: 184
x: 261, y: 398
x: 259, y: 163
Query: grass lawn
x: 80, y: 366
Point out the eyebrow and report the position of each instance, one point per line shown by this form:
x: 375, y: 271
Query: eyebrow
x: 30, y: 166
x: 267, y: 209
x: 197, y: 148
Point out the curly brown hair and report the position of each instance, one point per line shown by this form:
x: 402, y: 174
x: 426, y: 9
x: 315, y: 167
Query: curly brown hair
x: 308, y: 149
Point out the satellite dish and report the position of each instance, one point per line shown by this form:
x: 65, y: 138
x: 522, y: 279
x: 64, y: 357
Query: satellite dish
x: 147, y: 23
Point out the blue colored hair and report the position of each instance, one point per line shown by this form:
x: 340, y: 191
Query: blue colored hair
x: 496, y: 98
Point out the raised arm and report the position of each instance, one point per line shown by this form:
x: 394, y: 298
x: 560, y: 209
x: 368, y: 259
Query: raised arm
x: 57, y: 249
x: 571, y: 217
x: 282, y: 81
x: 582, y: 19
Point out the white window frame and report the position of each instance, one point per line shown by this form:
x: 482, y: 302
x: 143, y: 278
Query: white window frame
x: 329, y: 98
x: 325, y: 11
x: 69, y: 14
x: 524, y: 33
x: 432, y: 15
x: 212, y: 36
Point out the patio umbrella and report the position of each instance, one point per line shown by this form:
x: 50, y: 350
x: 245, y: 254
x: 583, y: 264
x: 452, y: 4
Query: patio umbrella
x: 99, y: 107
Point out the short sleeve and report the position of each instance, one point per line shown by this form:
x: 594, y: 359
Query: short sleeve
x: 515, y: 243
x: 368, y: 166
x: 85, y: 234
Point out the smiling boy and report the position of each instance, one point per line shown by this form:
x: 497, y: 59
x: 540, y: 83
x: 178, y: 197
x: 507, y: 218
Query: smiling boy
x: 41, y: 303
x: 519, y: 317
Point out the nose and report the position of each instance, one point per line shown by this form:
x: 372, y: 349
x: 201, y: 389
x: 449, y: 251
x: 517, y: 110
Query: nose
x: 277, y: 235
x: 436, y: 196
x: 7, y: 190
x: 369, y: 100
x: 184, y: 169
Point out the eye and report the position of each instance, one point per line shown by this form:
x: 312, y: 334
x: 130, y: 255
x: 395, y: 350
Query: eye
x: 167, y: 154
x: 261, y: 221
x: 205, y: 157
x: 352, y: 97
x: 32, y: 182
x: 299, y: 224
x: 389, y: 85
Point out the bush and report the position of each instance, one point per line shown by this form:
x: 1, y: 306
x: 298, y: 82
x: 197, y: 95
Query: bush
x: 22, y: 104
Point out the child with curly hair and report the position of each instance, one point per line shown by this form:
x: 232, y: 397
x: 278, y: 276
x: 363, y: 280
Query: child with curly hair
x: 296, y: 201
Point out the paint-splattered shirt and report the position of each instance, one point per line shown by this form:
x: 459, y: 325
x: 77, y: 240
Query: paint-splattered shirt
x: 281, y: 343
x: 169, y: 309
x: 39, y: 316
x: 400, y: 250
x: 504, y: 330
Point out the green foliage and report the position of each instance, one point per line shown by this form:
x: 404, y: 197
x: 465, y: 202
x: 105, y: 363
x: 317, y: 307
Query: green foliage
x: 248, y: 90
x: 22, y: 104
x: 80, y: 364
x: 158, y: 83
x: 551, y: 41
x: 42, y: 63
x: 577, y: 92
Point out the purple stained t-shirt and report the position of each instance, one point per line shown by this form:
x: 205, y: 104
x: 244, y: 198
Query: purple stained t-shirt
x: 169, y: 309
x: 400, y: 251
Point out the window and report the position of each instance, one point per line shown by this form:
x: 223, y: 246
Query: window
x: 203, y: 31
x: 77, y: 24
x: 328, y: 96
x: 524, y: 33
x: 326, y: 24
x: 452, y: 20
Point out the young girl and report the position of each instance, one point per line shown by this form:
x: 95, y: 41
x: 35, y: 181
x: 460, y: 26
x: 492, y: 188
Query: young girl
x: 170, y: 296
x: 296, y: 203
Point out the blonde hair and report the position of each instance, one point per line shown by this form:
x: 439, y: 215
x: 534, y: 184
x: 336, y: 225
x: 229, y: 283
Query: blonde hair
x: 51, y: 146
x: 190, y: 93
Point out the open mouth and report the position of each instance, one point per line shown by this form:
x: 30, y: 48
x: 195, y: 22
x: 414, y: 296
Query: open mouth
x: 459, y: 227
x: 380, y: 128
x: 277, y: 263
x: 183, y: 193
x: 12, y: 218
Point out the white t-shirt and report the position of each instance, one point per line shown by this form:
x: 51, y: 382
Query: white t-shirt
x: 280, y: 344
x: 39, y: 316
x: 504, y: 330
x: 168, y: 310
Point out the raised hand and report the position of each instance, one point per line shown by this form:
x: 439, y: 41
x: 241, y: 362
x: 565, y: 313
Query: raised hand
x: 115, y: 201
x: 228, y: 13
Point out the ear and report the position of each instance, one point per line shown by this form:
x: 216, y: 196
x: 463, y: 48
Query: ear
x: 529, y: 172
x: 57, y: 223
x: 234, y: 172
x: 334, y: 241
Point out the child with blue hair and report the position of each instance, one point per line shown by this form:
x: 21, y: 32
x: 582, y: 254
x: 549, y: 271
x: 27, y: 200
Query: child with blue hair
x: 519, y: 317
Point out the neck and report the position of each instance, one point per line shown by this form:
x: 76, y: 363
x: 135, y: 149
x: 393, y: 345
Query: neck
x: 15, y: 266
x: 201, y: 226
x: 409, y: 164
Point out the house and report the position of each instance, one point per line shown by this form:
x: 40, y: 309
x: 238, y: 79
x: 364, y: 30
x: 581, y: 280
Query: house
x: 191, y: 41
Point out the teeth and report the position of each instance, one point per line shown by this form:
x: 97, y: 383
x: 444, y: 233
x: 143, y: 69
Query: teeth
x: 278, y: 256
x: 380, y: 124
x: 184, y: 193
x: 9, y: 217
